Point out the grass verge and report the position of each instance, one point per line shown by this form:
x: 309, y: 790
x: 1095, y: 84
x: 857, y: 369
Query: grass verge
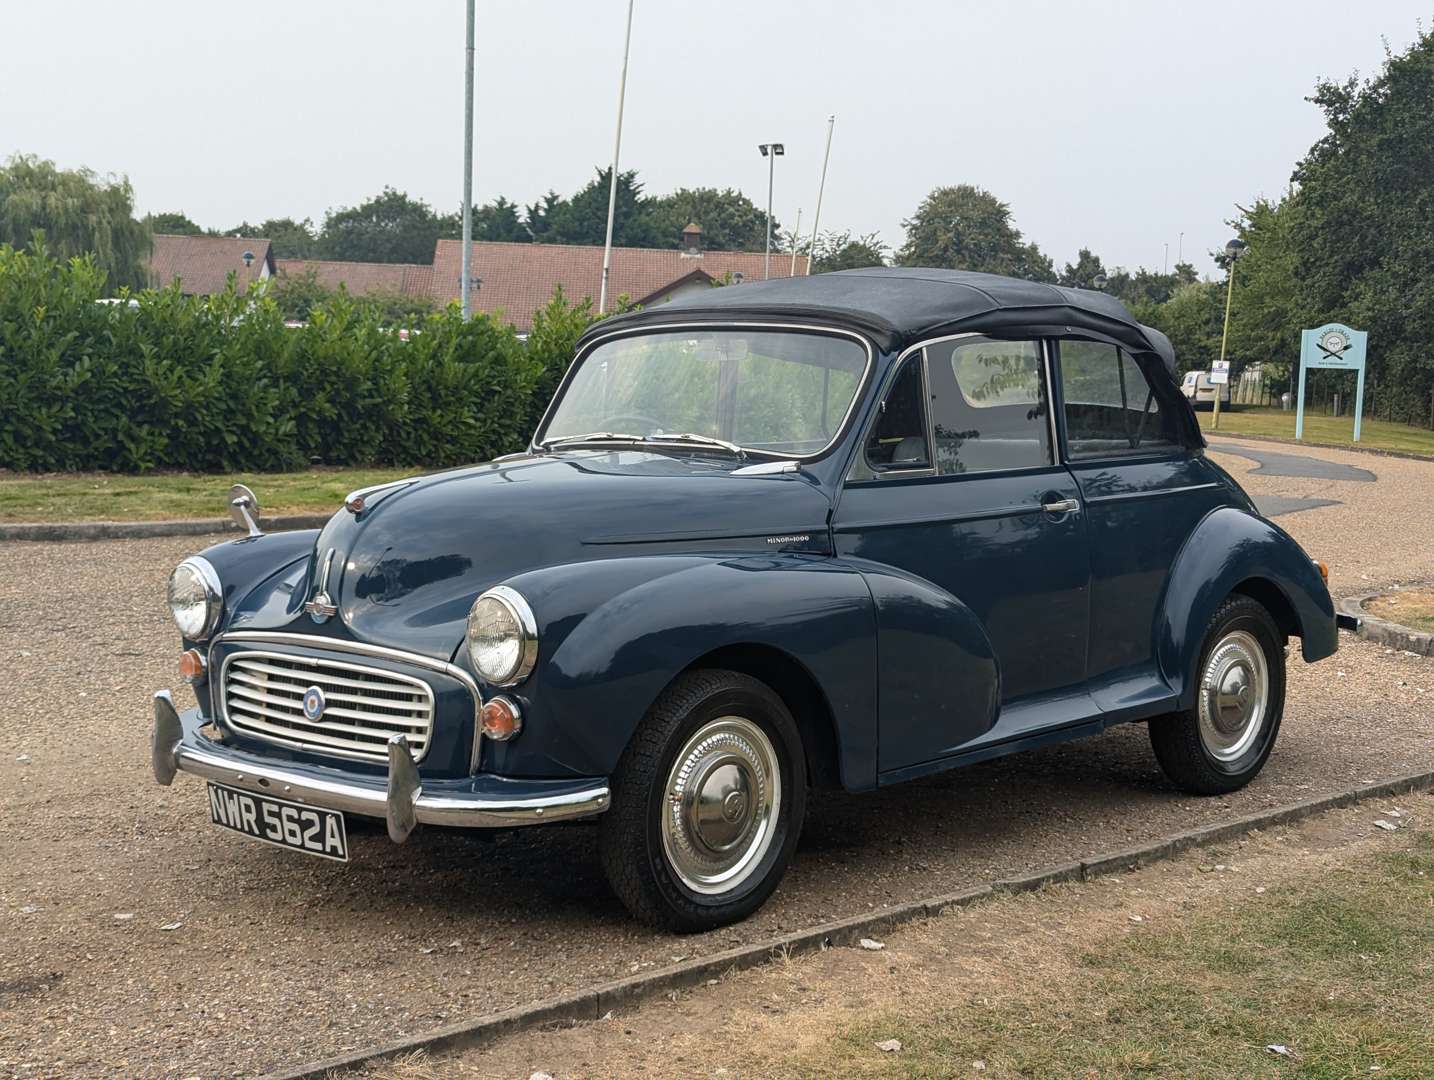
x: 1378, y: 434
x: 1413, y: 608
x: 1339, y: 970
x: 166, y: 496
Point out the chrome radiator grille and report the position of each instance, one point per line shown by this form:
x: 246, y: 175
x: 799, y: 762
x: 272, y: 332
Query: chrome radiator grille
x: 363, y: 707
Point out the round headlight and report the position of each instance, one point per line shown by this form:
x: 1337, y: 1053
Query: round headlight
x: 195, y: 598
x: 502, y: 637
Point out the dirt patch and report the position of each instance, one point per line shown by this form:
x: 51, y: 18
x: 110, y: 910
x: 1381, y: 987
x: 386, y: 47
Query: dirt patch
x: 1413, y: 608
x: 1315, y: 939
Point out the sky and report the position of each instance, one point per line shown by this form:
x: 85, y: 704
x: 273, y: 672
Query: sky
x: 1112, y: 124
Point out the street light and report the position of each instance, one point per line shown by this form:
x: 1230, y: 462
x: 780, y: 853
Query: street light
x: 770, y: 151
x: 1099, y: 281
x: 1234, y: 249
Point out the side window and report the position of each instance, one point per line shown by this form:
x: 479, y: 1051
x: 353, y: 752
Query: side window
x: 898, y: 439
x: 1110, y: 407
x: 989, y: 404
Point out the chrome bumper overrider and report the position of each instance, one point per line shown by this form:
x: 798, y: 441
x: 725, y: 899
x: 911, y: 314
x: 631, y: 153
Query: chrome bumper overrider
x: 475, y: 802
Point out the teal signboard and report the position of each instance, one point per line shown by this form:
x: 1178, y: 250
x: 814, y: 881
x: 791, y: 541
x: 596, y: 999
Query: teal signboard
x: 1332, y: 345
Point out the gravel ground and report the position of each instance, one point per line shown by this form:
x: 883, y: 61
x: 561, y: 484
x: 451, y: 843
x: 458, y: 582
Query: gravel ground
x: 277, y: 959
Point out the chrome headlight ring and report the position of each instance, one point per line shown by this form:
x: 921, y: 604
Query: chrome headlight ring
x: 196, y: 598
x: 502, y: 637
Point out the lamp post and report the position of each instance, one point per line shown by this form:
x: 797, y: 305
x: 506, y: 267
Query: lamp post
x: 770, y: 151
x: 796, y: 234
x: 465, y: 295
x: 1099, y: 281
x: 1234, y: 249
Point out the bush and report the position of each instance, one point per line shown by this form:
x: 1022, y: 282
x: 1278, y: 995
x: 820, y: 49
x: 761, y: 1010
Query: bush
x: 165, y: 381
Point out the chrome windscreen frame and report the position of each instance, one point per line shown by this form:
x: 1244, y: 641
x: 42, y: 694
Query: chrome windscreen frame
x: 359, y: 648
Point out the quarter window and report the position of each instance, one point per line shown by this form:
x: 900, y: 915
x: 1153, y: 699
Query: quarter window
x: 989, y: 405
x: 1110, y: 406
x: 898, y: 439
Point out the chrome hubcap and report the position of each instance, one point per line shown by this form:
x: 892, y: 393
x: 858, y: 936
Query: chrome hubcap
x: 1234, y: 690
x: 720, y: 804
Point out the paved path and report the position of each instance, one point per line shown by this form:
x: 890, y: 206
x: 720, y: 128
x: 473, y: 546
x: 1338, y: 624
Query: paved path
x: 280, y: 958
x: 1306, y: 463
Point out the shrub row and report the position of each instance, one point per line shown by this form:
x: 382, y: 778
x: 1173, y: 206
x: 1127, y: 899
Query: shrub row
x: 220, y: 384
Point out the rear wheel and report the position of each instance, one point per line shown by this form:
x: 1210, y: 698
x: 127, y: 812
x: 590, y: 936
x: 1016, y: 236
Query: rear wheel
x: 707, y: 803
x: 1222, y: 742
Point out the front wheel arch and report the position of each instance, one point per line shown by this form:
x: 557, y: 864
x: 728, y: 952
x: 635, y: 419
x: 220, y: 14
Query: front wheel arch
x: 799, y: 690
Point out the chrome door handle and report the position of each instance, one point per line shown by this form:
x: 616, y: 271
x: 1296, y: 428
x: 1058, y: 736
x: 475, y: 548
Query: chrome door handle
x: 1060, y: 506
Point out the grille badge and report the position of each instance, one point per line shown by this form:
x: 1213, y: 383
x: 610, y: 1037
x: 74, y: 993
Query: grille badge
x: 314, y: 703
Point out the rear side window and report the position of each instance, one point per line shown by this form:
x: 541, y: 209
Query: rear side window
x: 1111, y: 409
x: 898, y: 440
x: 989, y: 405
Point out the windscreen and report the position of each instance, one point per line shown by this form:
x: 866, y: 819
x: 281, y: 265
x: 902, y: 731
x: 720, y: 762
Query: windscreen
x: 779, y: 391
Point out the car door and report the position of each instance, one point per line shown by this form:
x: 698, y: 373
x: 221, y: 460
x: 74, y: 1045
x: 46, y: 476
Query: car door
x: 1145, y: 485
x: 977, y: 544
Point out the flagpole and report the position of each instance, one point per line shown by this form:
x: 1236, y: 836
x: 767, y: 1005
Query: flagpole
x: 616, y: 151
x: 821, y: 189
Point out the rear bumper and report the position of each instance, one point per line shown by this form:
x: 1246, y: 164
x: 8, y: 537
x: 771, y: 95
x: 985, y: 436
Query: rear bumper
x: 403, y: 800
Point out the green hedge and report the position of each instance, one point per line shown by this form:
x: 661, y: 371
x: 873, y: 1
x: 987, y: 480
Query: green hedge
x: 220, y: 384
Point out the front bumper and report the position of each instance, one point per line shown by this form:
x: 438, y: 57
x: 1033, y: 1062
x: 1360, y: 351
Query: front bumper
x: 484, y: 801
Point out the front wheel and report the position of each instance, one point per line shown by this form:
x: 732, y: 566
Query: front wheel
x: 1222, y: 742
x: 707, y: 803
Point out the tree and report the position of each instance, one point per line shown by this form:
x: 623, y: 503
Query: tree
x: 1083, y: 274
x: 390, y: 227
x: 730, y: 221
x: 582, y: 219
x: 1363, y: 231
x: 498, y: 220
x: 79, y: 213
x: 967, y: 228
x: 288, y: 239
x: 1192, y: 319
x: 298, y: 294
x: 172, y: 223
x: 1268, y: 310
x: 842, y: 251
x: 538, y: 217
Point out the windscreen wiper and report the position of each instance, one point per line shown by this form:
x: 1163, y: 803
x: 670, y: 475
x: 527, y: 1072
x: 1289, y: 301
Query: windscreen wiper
x: 704, y: 440
x: 591, y: 436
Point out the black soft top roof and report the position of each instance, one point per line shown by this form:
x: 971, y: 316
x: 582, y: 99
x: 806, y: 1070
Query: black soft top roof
x: 898, y: 306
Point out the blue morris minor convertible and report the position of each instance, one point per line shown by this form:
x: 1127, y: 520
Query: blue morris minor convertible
x: 838, y: 531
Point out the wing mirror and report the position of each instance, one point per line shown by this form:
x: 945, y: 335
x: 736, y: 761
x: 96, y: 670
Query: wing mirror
x: 244, y: 509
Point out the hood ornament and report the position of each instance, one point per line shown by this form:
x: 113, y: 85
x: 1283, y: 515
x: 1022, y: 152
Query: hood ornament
x: 356, y: 502
x: 320, y: 606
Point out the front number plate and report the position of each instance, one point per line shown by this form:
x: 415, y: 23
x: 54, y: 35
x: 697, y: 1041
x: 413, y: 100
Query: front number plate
x: 275, y: 821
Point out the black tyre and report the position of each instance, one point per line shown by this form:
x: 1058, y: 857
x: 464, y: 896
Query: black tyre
x: 707, y: 803
x: 1223, y: 740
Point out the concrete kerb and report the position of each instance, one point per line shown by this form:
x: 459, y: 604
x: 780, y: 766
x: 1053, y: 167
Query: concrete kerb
x: 143, y: 530
x: 595, y: 1003
x: 1382, y: 631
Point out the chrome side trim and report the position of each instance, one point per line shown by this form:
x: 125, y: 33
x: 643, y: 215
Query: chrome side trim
x: 314, y: 641
x: 857, y: 398
x: 1123, y: 496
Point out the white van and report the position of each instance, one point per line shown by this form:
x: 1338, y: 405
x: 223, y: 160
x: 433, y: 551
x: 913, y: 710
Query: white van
x: 1199, y: 390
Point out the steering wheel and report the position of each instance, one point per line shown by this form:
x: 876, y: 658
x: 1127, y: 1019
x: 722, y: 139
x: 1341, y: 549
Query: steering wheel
x: 623, y: 420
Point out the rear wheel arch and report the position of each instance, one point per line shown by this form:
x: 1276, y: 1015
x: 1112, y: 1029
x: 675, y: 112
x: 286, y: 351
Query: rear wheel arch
x: 799, y: 690
x: 1273, y: 599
